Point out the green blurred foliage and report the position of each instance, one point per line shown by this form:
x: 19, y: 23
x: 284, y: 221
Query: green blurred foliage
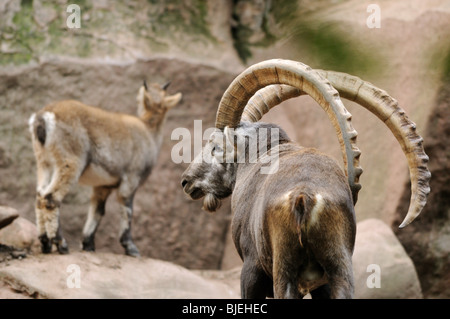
x: 325, y: 40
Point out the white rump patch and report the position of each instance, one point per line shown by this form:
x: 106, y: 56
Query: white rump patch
x: 318, y: 207
x: 50, y: 124
x: 31, y: 122
x: 50, y: 121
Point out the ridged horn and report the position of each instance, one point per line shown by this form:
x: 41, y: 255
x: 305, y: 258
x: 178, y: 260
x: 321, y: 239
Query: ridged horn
x: 305, y: 79
x: 386, y: 108
x: 267, y: 98
x: 379, y: 103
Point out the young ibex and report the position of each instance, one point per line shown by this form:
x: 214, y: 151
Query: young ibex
x: 74, y: 142
x: 295, y: 229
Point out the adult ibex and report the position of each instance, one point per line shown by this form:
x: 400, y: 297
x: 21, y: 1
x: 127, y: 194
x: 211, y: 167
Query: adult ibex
x: 295, y: 228
x: 74, y: 142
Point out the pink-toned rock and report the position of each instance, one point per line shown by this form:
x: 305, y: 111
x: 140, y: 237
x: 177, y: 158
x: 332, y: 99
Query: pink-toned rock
x: 7, y: 216
x: 21, y: 234
x: 105, y: 275
x: 381, y: 267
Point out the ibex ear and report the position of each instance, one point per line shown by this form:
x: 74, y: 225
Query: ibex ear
x: 172, y: 100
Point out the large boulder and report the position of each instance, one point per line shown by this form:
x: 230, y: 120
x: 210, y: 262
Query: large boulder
x: 21, y: 234
x: 381, y: 267
x: 7, y: 216
x: 105, y: 275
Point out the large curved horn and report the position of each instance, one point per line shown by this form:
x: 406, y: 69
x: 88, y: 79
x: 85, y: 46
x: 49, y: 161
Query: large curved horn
x: 379, y: 103
x: 302, y: 77
x: 387, y: 110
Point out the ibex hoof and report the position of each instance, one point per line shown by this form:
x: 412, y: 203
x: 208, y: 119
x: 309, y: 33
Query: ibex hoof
x: 63, y: 249
x: 132, y: 251
x: 88, y: 244
x: 61, y: 245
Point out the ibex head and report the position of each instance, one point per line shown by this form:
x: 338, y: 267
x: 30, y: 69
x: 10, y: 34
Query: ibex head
x: 213, y: 172
x: 153, y: 101
x: 211, y: 175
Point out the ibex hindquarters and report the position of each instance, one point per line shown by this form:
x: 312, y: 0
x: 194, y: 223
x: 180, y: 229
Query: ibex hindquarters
x: 57, y: 171
x: 298, y: 237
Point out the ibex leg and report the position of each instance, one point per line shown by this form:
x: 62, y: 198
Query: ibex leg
x: 51, y: 192
x: 95, y: 214
x: 255, y: 284
x: 125, y: 196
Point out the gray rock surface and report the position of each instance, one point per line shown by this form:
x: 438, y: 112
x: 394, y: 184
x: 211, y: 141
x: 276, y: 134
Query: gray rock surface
x: 381, y: 267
